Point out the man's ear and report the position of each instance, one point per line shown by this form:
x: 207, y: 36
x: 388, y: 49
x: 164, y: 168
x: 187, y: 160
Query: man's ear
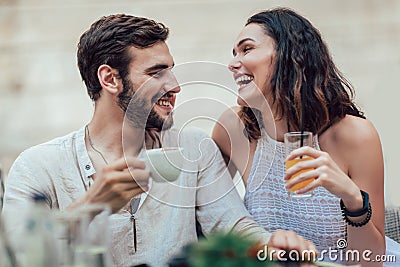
x: 109, y: 79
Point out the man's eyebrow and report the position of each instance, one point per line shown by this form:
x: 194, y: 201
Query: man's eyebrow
x: 158, y: 67
x: 241, y: 42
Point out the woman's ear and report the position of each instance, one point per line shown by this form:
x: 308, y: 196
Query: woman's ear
x: 109, y: 79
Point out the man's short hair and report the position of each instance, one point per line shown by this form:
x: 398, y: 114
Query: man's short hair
x: 107, y: 42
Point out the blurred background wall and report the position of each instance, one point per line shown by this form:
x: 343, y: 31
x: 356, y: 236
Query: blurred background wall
x: 42, y: 96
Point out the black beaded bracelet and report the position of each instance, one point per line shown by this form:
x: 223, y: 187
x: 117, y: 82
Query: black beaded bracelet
x: 365, y: 209
x: 358, y: 213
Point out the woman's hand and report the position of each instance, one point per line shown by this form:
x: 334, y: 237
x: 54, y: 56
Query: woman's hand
x: 326, y: 173
x: 283, y: 242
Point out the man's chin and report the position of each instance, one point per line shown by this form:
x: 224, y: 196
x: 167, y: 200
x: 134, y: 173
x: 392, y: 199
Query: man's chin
x: 167, y: 125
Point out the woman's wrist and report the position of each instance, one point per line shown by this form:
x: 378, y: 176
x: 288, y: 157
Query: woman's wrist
x: 359, y: 217
x: 354, y: 201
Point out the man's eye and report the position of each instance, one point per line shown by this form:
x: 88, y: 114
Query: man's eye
x: 157, y: 74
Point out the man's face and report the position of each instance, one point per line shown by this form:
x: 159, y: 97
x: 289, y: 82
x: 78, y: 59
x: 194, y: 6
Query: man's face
x: 150, y: 88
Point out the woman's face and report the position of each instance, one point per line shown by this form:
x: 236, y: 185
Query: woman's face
x: 252, y: 65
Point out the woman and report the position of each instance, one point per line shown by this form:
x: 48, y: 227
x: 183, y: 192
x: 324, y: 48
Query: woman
x: 288, y: 82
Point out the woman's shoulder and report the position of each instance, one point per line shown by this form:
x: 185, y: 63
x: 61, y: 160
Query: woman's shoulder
x: 228, y: 128
x: 229, y: 121
x: 230, y: 117
x: 350, y: 132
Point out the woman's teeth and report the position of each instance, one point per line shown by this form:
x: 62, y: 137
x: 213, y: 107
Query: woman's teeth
x: 243, y: 80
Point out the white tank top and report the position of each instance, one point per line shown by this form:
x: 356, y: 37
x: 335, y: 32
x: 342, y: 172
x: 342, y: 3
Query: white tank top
x: 317, y: 218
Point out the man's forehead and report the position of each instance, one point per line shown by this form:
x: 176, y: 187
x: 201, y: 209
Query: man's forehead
x: 155, y: 55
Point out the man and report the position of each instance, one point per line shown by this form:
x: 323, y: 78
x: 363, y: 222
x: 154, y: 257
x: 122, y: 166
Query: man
x: 126, y: 67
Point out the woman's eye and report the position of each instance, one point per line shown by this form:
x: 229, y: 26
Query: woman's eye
x: 246, y: 49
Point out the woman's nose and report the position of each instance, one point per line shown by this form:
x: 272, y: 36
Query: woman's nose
x: 234, y: 64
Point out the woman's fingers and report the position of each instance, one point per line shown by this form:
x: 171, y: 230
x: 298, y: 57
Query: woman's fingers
x: 312, y: 174
x: 304, y: 151
x: 287, y: 241
x: 278, y: 240
x: 306, y: 165
x: 309, y: 187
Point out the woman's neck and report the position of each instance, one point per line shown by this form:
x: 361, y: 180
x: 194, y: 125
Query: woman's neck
x: 274, y: 125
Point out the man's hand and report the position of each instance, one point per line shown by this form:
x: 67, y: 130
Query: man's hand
x: 117, y: 183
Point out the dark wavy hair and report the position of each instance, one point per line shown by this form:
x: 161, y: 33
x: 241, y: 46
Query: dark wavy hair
x: 107, y: 42
x: 304, y: 78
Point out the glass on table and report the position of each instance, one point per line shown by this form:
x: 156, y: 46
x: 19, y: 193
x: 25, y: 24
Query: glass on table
x: 84, y: 236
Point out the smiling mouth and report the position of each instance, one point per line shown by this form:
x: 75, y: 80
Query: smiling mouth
x: 166, y: 101
x: 244, y: 80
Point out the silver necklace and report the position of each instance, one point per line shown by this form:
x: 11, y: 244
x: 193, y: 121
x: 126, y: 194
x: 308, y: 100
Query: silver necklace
x: 92, y: 146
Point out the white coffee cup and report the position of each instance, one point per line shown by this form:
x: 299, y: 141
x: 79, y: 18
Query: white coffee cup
x: 164, y: 164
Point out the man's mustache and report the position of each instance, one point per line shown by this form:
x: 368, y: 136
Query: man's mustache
x: 159, y: 95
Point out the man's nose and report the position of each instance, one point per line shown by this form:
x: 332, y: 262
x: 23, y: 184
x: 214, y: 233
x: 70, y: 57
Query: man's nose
x: 172, y: 84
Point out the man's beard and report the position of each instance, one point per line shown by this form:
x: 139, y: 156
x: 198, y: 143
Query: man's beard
x: 139, y: 113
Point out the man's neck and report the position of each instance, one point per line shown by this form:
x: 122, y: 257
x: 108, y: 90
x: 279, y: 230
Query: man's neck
x: 113, y: 136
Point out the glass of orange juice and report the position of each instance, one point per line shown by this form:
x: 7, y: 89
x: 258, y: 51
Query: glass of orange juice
x: 294, y: 140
